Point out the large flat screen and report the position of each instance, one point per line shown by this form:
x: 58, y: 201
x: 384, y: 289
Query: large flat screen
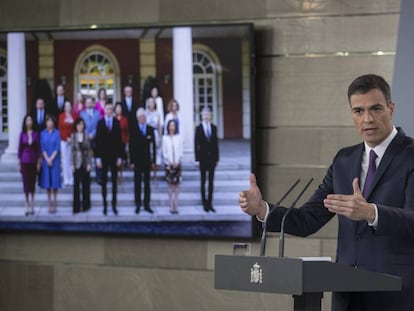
x: 86, y: 60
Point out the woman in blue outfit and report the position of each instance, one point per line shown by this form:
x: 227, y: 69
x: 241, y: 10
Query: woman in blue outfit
x: 50, y: 171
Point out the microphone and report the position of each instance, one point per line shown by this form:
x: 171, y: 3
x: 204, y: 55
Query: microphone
x: 282, y: 223
x: 264, y: 224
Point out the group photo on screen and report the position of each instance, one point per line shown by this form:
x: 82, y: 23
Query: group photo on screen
x: 133, y: 130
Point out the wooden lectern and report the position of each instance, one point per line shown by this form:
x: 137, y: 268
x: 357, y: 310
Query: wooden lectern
x: 305, y: 280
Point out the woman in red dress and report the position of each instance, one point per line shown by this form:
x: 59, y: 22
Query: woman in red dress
x: 65, y: 126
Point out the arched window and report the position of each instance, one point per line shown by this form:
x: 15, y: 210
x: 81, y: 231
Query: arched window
x: 97, y: 68
x: 207, y: 82
x: 3, y: 97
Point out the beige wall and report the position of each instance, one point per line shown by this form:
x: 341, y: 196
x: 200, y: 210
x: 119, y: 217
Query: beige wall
x: 302, y: 119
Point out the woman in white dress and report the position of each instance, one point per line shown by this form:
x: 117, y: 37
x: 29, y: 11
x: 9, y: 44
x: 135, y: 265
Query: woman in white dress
x: 172, y: 147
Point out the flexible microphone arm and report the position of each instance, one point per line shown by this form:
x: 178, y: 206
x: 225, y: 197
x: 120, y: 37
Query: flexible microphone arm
x: 264, y: 223
x: 282, y: 224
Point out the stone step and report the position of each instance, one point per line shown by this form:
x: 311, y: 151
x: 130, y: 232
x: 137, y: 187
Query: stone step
x: 187, y: 166
x: 128, y: 176
x: 128, y: 186
x: 125, y: 214
x: 186, y: 198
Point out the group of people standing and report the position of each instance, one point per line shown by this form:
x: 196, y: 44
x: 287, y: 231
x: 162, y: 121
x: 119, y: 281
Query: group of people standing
x: 71, y: 139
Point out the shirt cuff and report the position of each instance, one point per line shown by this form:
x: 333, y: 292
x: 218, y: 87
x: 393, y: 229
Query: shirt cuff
x: 375, y: 222
x: 267, y: 213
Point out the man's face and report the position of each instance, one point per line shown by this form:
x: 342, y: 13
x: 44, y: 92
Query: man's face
x: 128, y: 91
x: 142, y: 118
x: 108, y: 110
x: 206, y: 116
x: 40, y: 104
x: 372, y: 116
x: 60, y: 91
x: 89, y: 103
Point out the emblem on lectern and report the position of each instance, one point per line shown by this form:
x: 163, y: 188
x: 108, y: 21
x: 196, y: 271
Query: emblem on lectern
x: 256, y: 274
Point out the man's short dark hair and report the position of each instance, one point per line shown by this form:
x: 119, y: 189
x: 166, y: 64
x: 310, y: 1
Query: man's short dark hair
x: 365, y: 83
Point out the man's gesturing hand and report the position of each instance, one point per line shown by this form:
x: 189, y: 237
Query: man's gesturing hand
x: 251, y: 201
x: 353, y: 206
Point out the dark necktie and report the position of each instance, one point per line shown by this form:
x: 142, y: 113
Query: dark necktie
x: 372, y: 168
x: 108, y: 124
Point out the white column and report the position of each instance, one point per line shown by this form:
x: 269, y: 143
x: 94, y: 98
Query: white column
x: 16, y: 92
x: 183, y: 86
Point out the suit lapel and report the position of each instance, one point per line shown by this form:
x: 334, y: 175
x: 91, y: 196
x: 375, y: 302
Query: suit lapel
x: 355, y: 168
x: 392, y: 150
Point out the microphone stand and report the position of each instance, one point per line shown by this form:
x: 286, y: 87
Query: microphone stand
x: 264, y: 223
x: 282, y: 224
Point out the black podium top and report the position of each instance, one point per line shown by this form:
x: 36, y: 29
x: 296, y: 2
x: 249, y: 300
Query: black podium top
x: 296, y: 276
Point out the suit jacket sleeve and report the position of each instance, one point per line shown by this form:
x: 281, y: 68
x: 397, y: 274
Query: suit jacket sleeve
x: 153, y: 146
x: 133, y: 144
x: 99, y: 138
x: 215, y: 143
x: 197, y: 141
x: 118, y: 137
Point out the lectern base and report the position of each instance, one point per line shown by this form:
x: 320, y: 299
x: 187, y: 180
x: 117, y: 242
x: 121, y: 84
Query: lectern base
x: 307, y: 302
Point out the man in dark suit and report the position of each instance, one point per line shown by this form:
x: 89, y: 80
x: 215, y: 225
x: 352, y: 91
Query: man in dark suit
x: 376, y: 225
x: 39, y: 114
x: 108, y: 152
x: 207, y: 156
x: 142, y: 156
x: 59, y: 102
x: 129, y: 106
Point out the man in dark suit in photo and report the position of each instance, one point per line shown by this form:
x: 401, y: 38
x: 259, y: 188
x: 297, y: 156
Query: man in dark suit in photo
x: 370, y: 187
x: 142, y: 150
x: 39, y: 114
x: 108, y: 152
x: 207, y: 156
x: 129, y: 106
x: 59, y: 102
